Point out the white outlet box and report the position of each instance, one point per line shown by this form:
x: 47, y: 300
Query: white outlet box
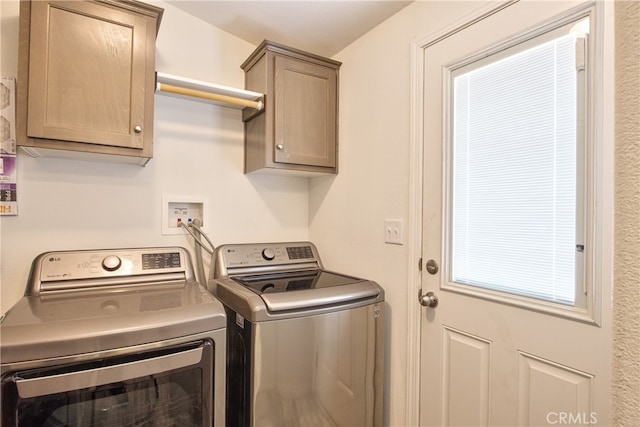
x: 176, y: 209
x: 393, y: 231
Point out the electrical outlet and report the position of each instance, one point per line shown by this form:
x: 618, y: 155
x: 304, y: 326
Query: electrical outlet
x: 393, y: 231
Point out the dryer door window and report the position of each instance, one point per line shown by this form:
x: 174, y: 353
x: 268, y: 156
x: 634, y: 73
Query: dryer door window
x: 164, y: 387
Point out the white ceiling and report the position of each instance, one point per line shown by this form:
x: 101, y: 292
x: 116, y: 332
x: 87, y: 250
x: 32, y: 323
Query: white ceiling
x: 323, y: 27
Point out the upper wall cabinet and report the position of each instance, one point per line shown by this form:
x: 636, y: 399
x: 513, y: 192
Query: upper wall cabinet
x: 86, y: 79
x: 298, y: 132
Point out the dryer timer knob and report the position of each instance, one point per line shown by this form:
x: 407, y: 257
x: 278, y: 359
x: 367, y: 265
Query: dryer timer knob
x: 268, y: 254
x: 111, y: 263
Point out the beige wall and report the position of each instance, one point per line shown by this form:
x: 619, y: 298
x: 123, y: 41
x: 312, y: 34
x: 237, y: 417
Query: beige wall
x: 626, y: 364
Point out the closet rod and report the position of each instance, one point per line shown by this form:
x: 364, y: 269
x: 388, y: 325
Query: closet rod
x: 210, y: 96
x: 208, y: 91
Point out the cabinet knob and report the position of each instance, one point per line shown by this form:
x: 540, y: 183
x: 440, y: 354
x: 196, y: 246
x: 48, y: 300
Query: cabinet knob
x: 280, y: 147
x: 137, y: 129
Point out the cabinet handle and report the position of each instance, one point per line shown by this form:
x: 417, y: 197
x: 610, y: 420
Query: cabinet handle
x: 280, y: 147
x: 137, y: 129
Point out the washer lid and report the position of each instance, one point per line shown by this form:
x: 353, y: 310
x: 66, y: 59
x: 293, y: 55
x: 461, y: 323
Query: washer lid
x: 268, y: 296
x: 271, y: 283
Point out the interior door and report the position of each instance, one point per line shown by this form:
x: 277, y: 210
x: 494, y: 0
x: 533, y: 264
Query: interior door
x: 486, y: 360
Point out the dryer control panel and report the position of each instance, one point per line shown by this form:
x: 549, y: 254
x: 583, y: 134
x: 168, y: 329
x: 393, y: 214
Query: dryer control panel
x: 68, y: 270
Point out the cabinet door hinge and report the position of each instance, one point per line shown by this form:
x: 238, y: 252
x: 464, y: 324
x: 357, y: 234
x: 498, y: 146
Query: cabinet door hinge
x: 420, y: 264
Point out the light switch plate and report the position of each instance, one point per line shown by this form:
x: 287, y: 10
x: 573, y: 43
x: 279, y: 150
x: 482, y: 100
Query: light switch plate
x: 393, y: 231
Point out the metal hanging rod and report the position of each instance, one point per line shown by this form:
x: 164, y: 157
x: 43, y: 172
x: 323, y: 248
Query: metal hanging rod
x: 217, y: 94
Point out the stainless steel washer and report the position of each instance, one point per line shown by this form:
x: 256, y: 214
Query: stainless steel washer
x: 305, y: 345
x: 123, y: 337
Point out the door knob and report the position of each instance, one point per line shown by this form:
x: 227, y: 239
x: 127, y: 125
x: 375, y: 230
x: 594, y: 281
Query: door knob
x: 430, y: 299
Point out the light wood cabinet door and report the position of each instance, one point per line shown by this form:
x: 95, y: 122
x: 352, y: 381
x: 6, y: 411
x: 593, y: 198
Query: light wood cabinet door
x: 305, y: 113
x: 87, y: 76
x: 298, y: 131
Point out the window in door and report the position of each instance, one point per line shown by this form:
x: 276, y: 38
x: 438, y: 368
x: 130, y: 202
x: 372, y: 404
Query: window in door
x: 517, y: 177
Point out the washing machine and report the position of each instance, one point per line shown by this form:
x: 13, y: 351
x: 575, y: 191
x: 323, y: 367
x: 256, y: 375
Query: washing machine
x: 304, y: 344
x: 117, y: 337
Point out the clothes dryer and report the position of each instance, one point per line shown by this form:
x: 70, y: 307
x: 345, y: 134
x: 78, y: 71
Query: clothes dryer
x: 118, y: 337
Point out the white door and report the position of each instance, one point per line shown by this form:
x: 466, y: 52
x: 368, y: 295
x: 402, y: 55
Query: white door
x: 490, y: 357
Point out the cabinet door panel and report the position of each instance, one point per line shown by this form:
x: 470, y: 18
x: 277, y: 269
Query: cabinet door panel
x: 305, y: 113
x: 84, y: 59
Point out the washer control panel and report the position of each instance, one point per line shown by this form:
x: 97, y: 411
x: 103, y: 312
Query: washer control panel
x: 267, y: 254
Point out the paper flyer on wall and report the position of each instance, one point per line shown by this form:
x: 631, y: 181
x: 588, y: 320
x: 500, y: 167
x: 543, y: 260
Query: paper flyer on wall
x: 8, y: 185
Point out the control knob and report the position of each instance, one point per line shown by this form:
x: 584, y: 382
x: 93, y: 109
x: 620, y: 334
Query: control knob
x: 111, y: 263
x: 268, y: 254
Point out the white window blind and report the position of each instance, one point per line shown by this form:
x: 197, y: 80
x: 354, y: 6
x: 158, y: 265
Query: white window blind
x: 514, y: 173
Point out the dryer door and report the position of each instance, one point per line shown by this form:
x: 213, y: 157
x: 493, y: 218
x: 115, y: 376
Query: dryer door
x: 171, y: 386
